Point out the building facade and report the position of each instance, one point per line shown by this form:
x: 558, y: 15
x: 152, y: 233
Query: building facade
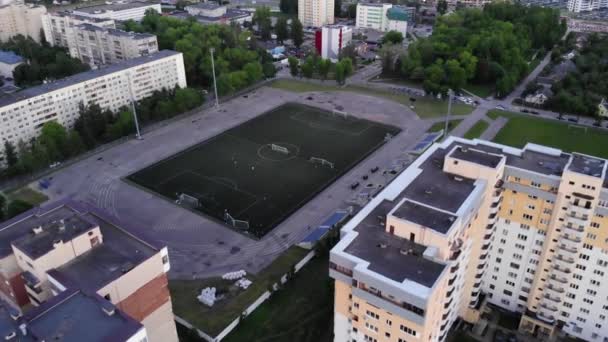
x: 316, y: 13
x: 66, y: 247
x: 119, y: 10
x: 96, y: 41
x: 382, y: 17
x: 586, y: 5
x: 21, y: 19
x: 24, y: 113
x: 330, y: 40
x: 469, y: 223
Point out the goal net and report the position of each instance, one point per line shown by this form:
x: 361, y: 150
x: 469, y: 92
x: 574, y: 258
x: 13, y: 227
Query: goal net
x: 279, y: 148
x: 339, y: 113
x: 239, y: 224
x: 324, y: 162
x: 188, y: 200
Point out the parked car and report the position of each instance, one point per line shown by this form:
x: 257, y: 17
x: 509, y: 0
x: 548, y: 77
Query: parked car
x: 354, y: 185
x: 374, y: 169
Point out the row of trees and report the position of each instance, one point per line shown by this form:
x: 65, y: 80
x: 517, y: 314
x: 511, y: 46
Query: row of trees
x: 317, y: 66
x: 44, y: 62
x: 490, y: 46
x: 93, y: 127
x: 295, y: 31
x: 581, y: 91
x: 12, y: 208
x: 236, y: 51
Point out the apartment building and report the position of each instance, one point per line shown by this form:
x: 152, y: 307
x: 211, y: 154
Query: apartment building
x: 57, y: 251
x: 382, y: 17
x: 316, y: 13
x: 472, y: 222
x: 24, y: 113
x: 119, y: 10
x: 586, y: 5
x: 19, y: 18
x: 59, y: 28
x: 331, y: 39
x: 71, y: 316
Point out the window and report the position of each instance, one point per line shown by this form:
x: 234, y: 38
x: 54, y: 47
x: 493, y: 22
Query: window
x: 507, y: 292
x: 522, y: 237
x: 371, y: 327
x: 527, y: 217
x: 591, y: 292
x: 407, y: 330
x: 514, y: 265
x: 372, y: 314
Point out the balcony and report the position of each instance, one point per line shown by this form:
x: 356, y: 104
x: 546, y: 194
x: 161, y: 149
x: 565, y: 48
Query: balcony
x: 573, y: 230
x: 557, y: 281
x: 548, y: 308
x: 578, y: 221
x: 572, y: 237
x: 557, y: 290
x: 494, y: 210
x: 556, y: 300
x: 565, y: 259
x: 581, y: 210
x: 568, y: 250
x: 562, y: 271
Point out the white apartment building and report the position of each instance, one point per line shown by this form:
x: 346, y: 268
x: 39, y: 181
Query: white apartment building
x: 331, y: 39
x: 586, y: 5
x: 119, y: 10
x: 382, y: 17
x: 469, y: 223
x: 23, y: 113
x: 24, y: 19
x: 316, y: 13
x: 59, y: 27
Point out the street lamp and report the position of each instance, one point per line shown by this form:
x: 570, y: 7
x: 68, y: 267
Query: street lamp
x: 137, y: 133
x: 447, y: 116
x: 217, y: 103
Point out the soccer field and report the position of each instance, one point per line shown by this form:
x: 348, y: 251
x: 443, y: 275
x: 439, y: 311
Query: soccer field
x: 255, y: 175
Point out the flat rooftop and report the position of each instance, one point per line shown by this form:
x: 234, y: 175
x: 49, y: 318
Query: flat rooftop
x: 8, y: 325
x: 206, y: 5
x: 425, y: 216
x: 82, y: 77
x: 41, y: 239
x: 393, y: 257
x: 115, y: 32
x: 74, y: 316
x: 436, y: 188
x: 9, y: 57
x: 476, y: 156
x: 115, y: 6
x: 587, y: 165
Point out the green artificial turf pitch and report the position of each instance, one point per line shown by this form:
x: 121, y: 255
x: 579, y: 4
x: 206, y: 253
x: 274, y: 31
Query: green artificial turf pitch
x: 238, y: 172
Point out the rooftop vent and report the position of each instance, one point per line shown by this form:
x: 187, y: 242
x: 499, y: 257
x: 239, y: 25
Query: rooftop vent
x: 23, y: 328
x: 406, y: 251
x: 57, y: 242
x: 458, y: 179
x: 382, y: 245
x: 464, y: 149
x: 108, y: 308
x: 428, y: 191
x: 37, y: 230
x: 10, y: 335
x: 451, y: 218
x: 15, y: 314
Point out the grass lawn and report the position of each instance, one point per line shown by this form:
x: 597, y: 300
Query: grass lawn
x: 425, y: 107
x: 438, y: 126
x: 302, y: 311
x: 28, y: 195
x: 481, y: 90
x: 477, y: 130
x: 521, y: 129
x: 396, y: 80
x: 213, y: 320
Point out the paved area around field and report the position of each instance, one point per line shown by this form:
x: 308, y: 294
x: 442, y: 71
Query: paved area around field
x: 200, y: 247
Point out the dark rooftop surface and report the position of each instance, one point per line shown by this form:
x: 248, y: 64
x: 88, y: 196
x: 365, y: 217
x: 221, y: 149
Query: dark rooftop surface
x: 76, y: 317
x: 476, y: 156
x: 9, y: 57
x: 83, y: 76
x: 425, y: 216
x: 587, y: 165
x: 390, y: 261
x: 205, y: 5
x: 436, y: 188
x: 116, y: 6
x: 7, y: 323
x: 115, y: 32
x: 65, y: 229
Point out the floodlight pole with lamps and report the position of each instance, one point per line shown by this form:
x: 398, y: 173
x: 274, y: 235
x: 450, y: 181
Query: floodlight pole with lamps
x: 217, y: 103
x: 447, y: 116
x: 137, y: 132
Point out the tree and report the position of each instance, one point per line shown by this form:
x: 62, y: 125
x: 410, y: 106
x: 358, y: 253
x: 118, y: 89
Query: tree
x: 392, y: 37
x: 269, y: 70
x: 289, y: 6
x: 352, y: 11
x: 442, y: 6
x: 54, y: 138
x: 308, y: 67
x: 456, y: 74
x: 281, y: 29
x: 338, y: 8
x: 348, y: 66
x: 2, y: 207
x: 340, y: 74
x: 293, y: 66
x: 297, y: 32
x: 17, y: 207
x: 261, y: 17
x: 323, y: 68
x: 10, y: 154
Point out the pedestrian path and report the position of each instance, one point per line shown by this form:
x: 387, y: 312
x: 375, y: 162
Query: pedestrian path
x: 494, y: 128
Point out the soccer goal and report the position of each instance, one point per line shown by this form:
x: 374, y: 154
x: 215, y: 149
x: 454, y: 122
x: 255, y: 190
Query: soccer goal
x: 577, y: 129
x: 324, y: 162
x: 188, y: 200
x: 340, y: 113
x: 279, y: 148
x: 239, y: 224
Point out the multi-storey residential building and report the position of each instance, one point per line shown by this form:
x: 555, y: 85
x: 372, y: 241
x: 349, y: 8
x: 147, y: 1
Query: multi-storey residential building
x: 53, y: 252
x: 96, y: 41
x: 586, y: 5
x: 18, y: 18
x: 59, y: 27
x: 71, y: 316
x: 382, y: 17
x: 522, y: 226
x: 330, y: 39
x: 119, y: 10
x: 211, y: 13
x: 316, y: 13
x: 24, y: 113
